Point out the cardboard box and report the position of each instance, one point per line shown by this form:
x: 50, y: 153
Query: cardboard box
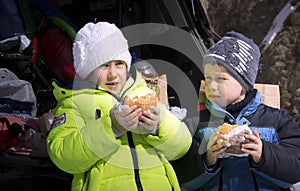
x: 270, y: 94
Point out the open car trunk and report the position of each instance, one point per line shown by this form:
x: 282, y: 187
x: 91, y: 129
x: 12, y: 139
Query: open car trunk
x: 172, y: 35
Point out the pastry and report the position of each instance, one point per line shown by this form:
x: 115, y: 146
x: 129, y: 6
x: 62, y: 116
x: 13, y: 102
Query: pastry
x: 143, y: 102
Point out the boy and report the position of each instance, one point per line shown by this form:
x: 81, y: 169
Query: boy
x: 105, y: 145
x: 271, y: 158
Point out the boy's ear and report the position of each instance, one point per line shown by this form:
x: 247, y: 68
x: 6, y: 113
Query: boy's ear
x: 244, y: 91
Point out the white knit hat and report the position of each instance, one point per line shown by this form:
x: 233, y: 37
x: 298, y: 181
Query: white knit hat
x: 96, y: 44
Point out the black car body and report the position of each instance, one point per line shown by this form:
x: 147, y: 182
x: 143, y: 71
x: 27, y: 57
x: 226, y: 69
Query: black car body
x: 172, y: 35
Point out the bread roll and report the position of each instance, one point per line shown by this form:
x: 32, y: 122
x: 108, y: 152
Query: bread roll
x: 235, y: 137
x: 225, y: 128
x: 143, y: 102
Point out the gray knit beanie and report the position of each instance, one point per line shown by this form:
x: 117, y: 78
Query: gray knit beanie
x: 239, y: 55
x: 96, y: 44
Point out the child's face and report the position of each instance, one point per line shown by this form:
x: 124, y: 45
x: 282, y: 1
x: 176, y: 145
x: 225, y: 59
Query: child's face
x: 112, y: 76
x: 221, y: 87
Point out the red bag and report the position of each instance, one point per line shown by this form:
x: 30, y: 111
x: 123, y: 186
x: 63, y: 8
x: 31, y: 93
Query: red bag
x: 10, y: 129
x: 56, y: 51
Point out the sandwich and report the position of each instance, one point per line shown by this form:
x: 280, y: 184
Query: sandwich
x: 235, y: 136
x: 143, y: 102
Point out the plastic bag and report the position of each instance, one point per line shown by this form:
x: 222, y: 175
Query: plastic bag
x: 235, y: 137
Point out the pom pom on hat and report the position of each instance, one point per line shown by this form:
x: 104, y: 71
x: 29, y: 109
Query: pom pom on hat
x: 239, y: 55
x: 96, y: 44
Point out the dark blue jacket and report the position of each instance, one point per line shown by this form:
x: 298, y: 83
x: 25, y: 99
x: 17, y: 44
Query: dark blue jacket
x: 279, y: 167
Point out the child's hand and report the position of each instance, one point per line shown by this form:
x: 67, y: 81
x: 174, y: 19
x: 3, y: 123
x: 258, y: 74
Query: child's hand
x: 125, y: 119
x: 253, y: 148
x: 217, y: 147
x: 150, y: 118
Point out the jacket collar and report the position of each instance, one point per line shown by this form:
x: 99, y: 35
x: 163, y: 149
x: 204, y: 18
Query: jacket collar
x: 250, y: 108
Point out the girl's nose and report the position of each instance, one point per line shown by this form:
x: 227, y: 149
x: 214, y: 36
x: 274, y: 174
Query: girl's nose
x: 112, y: 73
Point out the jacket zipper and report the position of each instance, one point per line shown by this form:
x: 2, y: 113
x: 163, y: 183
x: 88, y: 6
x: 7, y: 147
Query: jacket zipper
x: 135, y: 161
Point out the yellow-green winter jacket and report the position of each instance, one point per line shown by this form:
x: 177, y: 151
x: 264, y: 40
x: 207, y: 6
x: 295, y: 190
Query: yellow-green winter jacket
x: 82, y: 142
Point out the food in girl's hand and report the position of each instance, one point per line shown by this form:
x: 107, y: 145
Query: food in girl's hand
x: 143, y: 102
x: 235, y: 135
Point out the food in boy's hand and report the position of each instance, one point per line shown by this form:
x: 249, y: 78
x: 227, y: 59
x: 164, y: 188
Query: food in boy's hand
x: 235, y: 135
x: 143, y: 102
x: 225, y: 128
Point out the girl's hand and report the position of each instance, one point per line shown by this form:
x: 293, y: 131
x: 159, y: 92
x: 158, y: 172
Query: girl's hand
x: 150, y: 118
x: 253, y: 148
x: 125, y: 119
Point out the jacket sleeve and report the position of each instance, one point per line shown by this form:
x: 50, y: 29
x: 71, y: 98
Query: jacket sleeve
x: 286, y: 153
x: 189, y: 166
x: 74, y: 145
x: 191, y: 169
x: 173, y: 139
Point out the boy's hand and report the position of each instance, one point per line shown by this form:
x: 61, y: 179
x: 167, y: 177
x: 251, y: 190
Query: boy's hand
x: 253, y: 148
x: 150, y: 118
x: 217, y: 147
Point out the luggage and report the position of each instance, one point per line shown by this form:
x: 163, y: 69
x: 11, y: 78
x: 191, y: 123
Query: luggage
x: 16, y: 96
x: 24, y: 163
x: 20, y: 173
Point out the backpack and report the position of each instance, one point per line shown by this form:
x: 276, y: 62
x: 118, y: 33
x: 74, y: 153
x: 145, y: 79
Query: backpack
x: 16, y: 96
